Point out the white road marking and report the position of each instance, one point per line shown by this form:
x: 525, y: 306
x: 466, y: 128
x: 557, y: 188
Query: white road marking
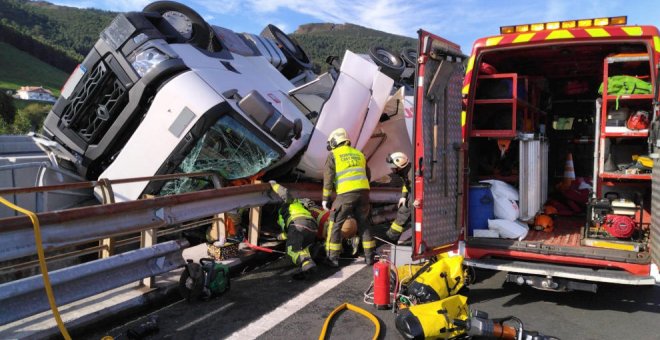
x: 194, y: 322
x: 279, y: 314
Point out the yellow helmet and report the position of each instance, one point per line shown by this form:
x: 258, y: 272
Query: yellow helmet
x: 397, y: 159
x: 337, y: 137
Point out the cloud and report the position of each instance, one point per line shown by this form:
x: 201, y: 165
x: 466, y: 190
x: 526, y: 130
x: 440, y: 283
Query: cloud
x: 111, y: 5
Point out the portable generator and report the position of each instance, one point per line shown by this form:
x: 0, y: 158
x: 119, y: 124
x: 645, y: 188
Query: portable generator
x: 616, y: 218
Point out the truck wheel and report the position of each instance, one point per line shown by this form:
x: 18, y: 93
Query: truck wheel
x: 297, y: 58
x: 409, y: 55
x: 190, y: 25
x: 390, y: 63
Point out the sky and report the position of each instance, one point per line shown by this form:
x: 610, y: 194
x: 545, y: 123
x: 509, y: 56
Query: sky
x: 460, y: 21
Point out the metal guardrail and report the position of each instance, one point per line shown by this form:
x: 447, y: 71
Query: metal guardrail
x: 65, y: 228
x: 25, y: 297
x: 80, y: 225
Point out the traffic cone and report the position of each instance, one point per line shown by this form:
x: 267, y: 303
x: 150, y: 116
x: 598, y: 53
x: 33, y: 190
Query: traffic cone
x: 569, y: 170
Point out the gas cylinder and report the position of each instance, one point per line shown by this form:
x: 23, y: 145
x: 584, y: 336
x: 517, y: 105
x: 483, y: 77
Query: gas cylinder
x: 382, y: 285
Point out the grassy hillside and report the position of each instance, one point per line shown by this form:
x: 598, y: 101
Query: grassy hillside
x: 70, y: 30
x: 21, y: 69
x: 323, y: 40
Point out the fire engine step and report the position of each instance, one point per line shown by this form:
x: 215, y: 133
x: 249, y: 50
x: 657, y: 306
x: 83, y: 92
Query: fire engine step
x: 567, y: 272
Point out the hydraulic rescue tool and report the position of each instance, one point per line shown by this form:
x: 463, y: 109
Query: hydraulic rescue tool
x: 203, y: 280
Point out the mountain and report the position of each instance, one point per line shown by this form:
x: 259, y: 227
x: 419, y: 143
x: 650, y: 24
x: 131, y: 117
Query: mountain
x: 323, y: 39
x: 62, y: 36
x: 59, y: 35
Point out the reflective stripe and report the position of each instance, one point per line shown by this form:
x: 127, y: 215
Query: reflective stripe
x: 523, y: 37
x: 353, y: 169
x: 559, y: 34
x: 396, y: 227
x: 597, y: 32
x: 295, y: 210
x: 635, y: 31
x: 368, y: 244
x: 656, y: 42
x: 404, y: 189
x: 293, y: 254
x: 493, y: 41
x: 350, y: 169
x: 327, y: 193
x: 352, y: 178
x: 328, y: 244
x: 302, y: 255
x: 334, y: 246
x: 470, y: 64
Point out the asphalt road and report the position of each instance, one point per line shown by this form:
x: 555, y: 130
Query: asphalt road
x: 268, y: 295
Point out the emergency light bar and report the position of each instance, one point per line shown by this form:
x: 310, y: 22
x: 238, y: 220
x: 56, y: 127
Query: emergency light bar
x: 564, y: 24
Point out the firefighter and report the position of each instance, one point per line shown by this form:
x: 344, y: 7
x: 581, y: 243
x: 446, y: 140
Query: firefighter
x: 347, y: 174
x: 400, y: 165
x: 298, y: 229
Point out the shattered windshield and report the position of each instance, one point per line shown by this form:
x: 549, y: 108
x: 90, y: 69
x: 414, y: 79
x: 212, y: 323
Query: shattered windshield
x: 227, y: 148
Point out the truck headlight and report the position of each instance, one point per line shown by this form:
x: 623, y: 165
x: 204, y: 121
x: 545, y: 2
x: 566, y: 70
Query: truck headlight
x: 145, y: 60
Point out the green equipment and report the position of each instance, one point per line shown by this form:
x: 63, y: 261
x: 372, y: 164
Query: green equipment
x: 203, y: 280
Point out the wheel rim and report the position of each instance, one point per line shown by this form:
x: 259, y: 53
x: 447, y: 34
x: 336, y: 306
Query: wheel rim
x: 386, y: 57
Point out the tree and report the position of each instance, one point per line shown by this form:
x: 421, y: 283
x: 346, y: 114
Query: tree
x: 7, y: 108
x: 31, y: 118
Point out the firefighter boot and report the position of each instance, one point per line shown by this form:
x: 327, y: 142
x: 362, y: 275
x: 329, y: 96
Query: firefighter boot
x: 331, y: 262
x: 307, y: 266
x: 369, y: 258
x: 392, y: 235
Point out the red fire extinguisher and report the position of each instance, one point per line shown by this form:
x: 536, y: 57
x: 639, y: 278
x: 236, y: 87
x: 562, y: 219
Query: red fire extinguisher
x: 382, y: 285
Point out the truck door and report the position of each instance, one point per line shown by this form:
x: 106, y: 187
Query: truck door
x: 438, y: 151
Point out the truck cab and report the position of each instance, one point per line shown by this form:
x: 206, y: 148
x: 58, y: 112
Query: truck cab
x: 162, y: 92
x: 562, y: 115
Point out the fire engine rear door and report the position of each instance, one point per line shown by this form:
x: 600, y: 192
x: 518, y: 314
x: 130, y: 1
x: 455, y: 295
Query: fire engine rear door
x: 438, y: 151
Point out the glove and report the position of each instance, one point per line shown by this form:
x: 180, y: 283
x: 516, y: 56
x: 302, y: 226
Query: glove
x: 402, y: 202
x: 324, y: 204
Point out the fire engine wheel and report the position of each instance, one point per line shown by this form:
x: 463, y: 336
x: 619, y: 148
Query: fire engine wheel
x: 409, y: 55
x: 470, y: 275
x: 190, y: 288
x: 191, y: 26
x: 390, y: 63
x: 297, y: 58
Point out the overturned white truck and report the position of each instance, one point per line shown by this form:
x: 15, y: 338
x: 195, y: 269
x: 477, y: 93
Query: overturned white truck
x: 162, y: 91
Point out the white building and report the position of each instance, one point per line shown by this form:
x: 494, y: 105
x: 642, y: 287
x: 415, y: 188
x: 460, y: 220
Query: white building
x: 35, y: 93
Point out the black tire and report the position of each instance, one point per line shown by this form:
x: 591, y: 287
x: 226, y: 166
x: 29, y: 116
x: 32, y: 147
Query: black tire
x: 409, y: 56
x: 202, y: 32
x: 297, y: 58
x: 390, y: 63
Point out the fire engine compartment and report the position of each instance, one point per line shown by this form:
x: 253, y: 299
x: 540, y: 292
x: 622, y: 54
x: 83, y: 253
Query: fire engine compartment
x: 549, y: 93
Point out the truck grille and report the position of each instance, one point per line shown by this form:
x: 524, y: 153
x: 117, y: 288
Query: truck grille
x: 95, y: 105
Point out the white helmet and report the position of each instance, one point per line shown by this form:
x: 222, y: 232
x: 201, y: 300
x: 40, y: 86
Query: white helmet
x: 397, y: 160
x: 337, y: 137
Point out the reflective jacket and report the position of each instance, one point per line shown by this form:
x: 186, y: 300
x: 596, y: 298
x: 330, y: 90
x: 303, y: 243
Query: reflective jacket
x: 346, y: 171
x: 292, y: 211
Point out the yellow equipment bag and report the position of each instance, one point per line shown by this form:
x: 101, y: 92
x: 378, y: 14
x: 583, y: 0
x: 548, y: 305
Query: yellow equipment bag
x: 441, y: 279
x: 433, y: 320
